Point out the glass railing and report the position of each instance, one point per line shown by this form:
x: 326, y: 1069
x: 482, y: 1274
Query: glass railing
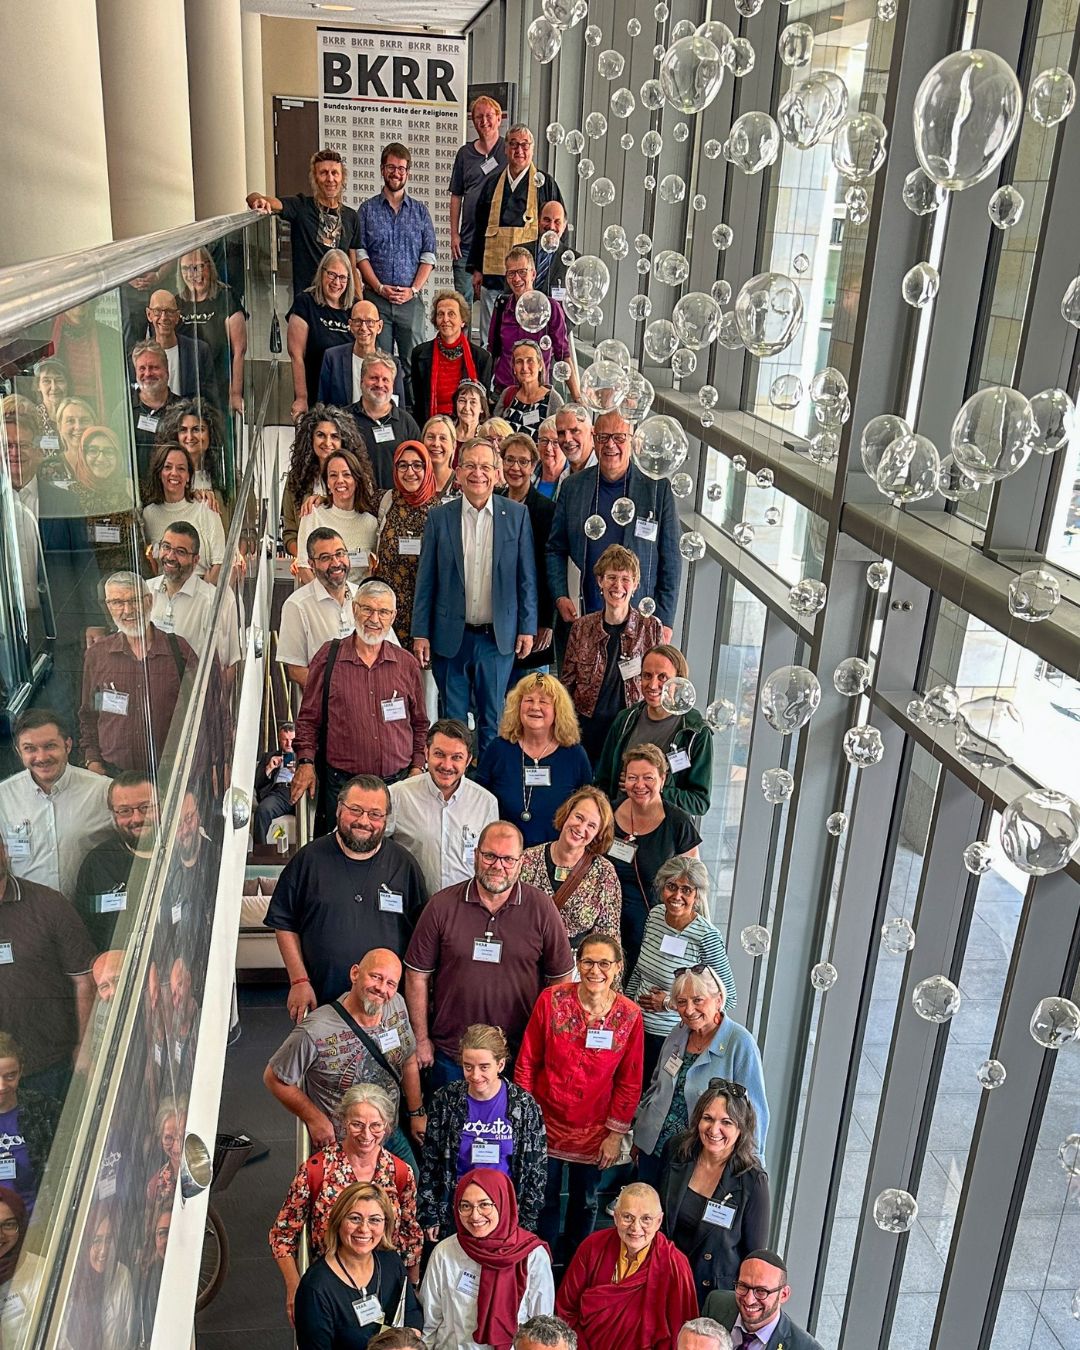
x: 133, y: 500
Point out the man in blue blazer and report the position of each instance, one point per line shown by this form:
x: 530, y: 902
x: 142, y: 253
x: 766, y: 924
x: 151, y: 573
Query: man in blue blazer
x: 475, y: 606
x: 653, y: 534
x: 339, y: 378
x: 754, y: 1313
x: 194, y: 375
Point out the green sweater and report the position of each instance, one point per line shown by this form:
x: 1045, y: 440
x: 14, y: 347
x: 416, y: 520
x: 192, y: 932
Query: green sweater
x: 690, y: 789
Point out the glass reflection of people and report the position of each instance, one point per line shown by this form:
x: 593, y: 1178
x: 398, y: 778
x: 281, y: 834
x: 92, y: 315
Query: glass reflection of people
x: 21, y: 1270
x: 168, y: 496
x: 101, y: 1311
x: 104, y: 887
x: 27, y: 1126
x: 169, y: 1129
x: 73, y: 416
x: 51, y: 385
x: 182, y: 1012
x: 210, y: 311
x: 153, y: 1263
x: 103, y: 488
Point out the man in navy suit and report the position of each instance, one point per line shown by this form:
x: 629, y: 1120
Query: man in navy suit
x: 754, y: 1313
x: 653, y: 534
x: 339, y: 378
x: 191, y: 364
x: 475, y: 606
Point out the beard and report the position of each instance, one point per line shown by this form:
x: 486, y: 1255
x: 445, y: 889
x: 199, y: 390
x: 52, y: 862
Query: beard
x: 362, y: 843
x: 370, y: 639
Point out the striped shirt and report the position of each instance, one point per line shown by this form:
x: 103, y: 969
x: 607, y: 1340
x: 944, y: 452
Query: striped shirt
x: 698, y: 942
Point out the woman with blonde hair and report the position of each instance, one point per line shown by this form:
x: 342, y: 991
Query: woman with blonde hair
x: 536, y: 761
x: 212, y: 312
x: 573, y: 870
x: 319, y: 320
x: 440, y: 440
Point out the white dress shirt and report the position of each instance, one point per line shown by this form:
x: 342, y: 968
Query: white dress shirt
x: 357, y: 365
x: 187, y: 613
x: 172, y: 355
x: 49, y: 834
x: 477, y: 532
x: 441, y: 835
x: 310, y: 618
x: 449, y: 1295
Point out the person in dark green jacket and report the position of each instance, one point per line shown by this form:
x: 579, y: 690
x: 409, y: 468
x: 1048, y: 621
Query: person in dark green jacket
x: 683, y: 737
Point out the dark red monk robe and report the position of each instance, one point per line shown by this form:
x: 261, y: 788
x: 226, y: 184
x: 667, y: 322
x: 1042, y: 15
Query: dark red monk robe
x: 644, y: 1312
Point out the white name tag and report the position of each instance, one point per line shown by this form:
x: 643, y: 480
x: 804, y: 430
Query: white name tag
x: 367, y: 1310
x: 148, y: 422
x: 484, y: 1152
x: 537, y: 775
x: 630, y: 667
x: 673, y: 1064
x: 393, y: 710
x: 106, y: 1187
x: 490, y: 163
x: 389, y: 1040
x: 646, y: 529
x: 177, y: 911
x: 12, y: 1305
x: 678, y: 759
x: 112, y: 902
x: 558, y: 293
x: 391, y: 902
x: 50, y: 442
x: 384, y: 434
x: 6, y: 956
x: 719, y: 1214
x: 622, y: 850
x: 114, y: 701
x: 672, y: 945
x: 599, y: 1038
x: 18, y: 844
x: 7, y: 1169
x: 530, y: 417
x: 491, y: 952
x: 107, y: 534
x: 468, y: 848
x: 469, y: 1283
x: 409, y: 547
x: 157, y: 1054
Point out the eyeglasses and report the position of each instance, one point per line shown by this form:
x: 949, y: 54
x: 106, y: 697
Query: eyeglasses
x: 359, y: 812
x: 728, y: 1088
x: 126, y: 812
x: 506, y: 860
x: 129, y: 603
x: 687, y: 892
x: 410, y: 466
x: 517, y: 272
x: 362, y: 1127
x: 366, y: 1220
x: 189, y: 269
x: 519, y: 145
x: 620, y: 439
x: 100, y: 451
x: 9, y: 1226
x: 588, y: 963
x: 758, y: 1291
x: 157, y: 312
x: 513, y: 462
x: 338, y: 555
x: 628, y: 1220
x: 466, y: 1207
x: 181, y: 553
x: 471, y: 467
x: 336, y: 276
x: 369, y: 611
x: 547, y: 440
x: 364, y: 323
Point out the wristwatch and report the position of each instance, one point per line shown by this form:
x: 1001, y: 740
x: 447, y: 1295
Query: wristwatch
x: 305, y: 761
x: 420, y: 1111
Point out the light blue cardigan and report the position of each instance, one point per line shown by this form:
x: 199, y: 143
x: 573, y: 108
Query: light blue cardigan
x: 732, y: 1053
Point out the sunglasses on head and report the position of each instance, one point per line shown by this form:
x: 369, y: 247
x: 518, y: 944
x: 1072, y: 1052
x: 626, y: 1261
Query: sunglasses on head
x: 727, y: 1088
x: 702, y: 969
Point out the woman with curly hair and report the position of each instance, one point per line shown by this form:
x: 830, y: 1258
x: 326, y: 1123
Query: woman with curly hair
x: 348, y: 508
x: 320, y: 432
x: 196, y: 425
x: 167, y: 498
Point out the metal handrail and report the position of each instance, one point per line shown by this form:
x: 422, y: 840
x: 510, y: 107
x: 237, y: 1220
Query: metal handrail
x: 33, y: 291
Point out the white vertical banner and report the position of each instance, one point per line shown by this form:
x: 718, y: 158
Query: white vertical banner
x: 378, y: 87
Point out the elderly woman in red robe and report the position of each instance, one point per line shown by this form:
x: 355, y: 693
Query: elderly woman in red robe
x: 628, y: 1287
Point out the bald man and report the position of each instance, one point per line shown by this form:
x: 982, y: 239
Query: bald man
x: 339, y: 379
x: 363, y: 1037
x: 191, y: 364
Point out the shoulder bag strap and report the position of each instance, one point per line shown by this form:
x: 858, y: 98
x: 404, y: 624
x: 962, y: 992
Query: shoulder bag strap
x: 574, y: 878
x: 331, y: 661
x: 370, y: 1045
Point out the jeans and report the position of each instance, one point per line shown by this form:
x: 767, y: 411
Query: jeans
x: 330, y: 786
x: 488, y: 296
x: 582, y: 1185
x: 403, y: 327
x: 275, y: 804
x: 463, y: 285
x: 476, y: 675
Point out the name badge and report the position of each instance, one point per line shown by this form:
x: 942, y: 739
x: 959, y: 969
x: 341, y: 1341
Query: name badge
x: 622, y: 850
x: 468, y: 848
x: 391, y: 902
x: 530, y: 417
x: 673, y: 945
x: 409, y: 547
x: 630, y: 667
x: 483, y: 950
x: 111, y: 902
x: 106, y: 1187
x: 484, y: 1152
x: 12, y: 1305
x: 157, y: 1054
x: 678, y: 759
x: 389, y: 1040
x: 673, y: 1064
x: 367, y: 1310
x: 558, y: 293
x: 107, y: 534
x: 50, y: 441
x: 178, y: 911
x: 537, y: 775
x: 148, y: 421
x: 599, y: 1038
x: 358, y: 558
x: 7, y: 1168
x: 113, y: 701
x: 719, y: 1214
x: 646, y: 529
x: 469, y: 1283
x: 165, y: 623
x: 490, y: 163
x: 18, y: 843
x: 6, y: 957
x: 383, y: 434
x: 393, y: 710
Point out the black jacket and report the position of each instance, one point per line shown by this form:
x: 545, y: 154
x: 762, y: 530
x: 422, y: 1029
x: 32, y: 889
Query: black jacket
x: 541, y: 511
x: 717, y: 1252
x: 722, y: 1308
x: 423, y: 358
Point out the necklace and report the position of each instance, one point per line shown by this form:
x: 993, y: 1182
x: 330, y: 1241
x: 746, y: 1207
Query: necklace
x: 526, y: 786
x: 450, y: 353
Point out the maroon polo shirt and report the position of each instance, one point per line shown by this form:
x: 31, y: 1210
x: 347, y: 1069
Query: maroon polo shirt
x: 535, y: 950
x: 360, y: 737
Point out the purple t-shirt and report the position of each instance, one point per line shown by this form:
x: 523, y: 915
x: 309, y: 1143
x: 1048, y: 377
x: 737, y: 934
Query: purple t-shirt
x: 16, y: 1169
x: 487, y: 1123
x: 510, y: 331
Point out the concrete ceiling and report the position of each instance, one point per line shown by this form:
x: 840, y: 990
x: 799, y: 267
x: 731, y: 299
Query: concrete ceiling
x: 451, y: 16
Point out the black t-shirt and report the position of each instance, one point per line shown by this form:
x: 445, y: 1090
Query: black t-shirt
x: 610, y: 700
x: 145, y: 422
x: 207, y: 319
x: 380, y: 446
x: 324, y: 1304
x: 676, y: 834
x: 313, y: 231
x: 327, y: 327
x: 343, y: 907
x: 102, y: 892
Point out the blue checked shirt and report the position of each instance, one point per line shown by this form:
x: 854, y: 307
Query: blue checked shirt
x: 396, y: 242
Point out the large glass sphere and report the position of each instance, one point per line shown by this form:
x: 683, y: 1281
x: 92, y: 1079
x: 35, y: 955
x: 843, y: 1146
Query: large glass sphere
x: 623, y: 510
x: 754, y: 142
x: 1034, y: 595
x: 614, y: 349
x: 544, y: 39
x: 989, y: 731
x: 622, y: 102
x: 660, y: 447
x: 661, y: 340
x: 920, y: 285
x: 823, y: 976
x: 587, y: 279
x: 1055, y: 1022
x: 683, y: 363
x: 696, y: 317
x: 678, y: 696
x: 719, y: 34
x: 755, y: 940
x: 672, y: 189
x: 908, y: 470
x: 978, y: 857
x: 769, y: 313
x: 610, y: 64
x: 808, y: 596
x: 604, y: 385
x: 852, y: 676
x: 829, y: 388
x: 789, y: 698
x: 691, y: 74
x: 723, y: 236
x: 878, y: 575
x: 993, y: 433
x: 671, y: 267
x: 615, y: 242
x: 595, y: 126
x: 652, y: 95
x: 936, y: 999
x: 805, y: 112
x: 1005, y: 207
x: 575, y: 142
x: 740, y: 57
x: 863, y: 747
x: 1055, y: 421
x: 729, y: 335
x: 836, y: 822
x: 991, y: 1074
x: 556, y: 133
x: 720, y: 714
x: 1051, y: 96
x: 897, y: 936
x: 651, y: 144
x: 895, y: 1211
x: 786, y: 392
x: 1040, y: 831
x: 966, y: 115
x: 692, y: 544
x: 796, y: 45
x: 942, y: 704
x: 858, y: 147
x: 777, y: 785
x: 595, y: 527
x: 639, y: 397
x: 920, y: 194
x: 602, y: 192
x: 532, y: 311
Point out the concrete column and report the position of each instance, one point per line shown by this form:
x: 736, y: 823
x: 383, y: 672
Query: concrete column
x: 54, y: 143
x: 147, y: 120
x: 216, y: 87
x: 254, y: 110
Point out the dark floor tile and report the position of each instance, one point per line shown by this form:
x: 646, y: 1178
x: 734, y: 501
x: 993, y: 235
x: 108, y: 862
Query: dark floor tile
x: 251, y: 1300
x: 231, y: 1340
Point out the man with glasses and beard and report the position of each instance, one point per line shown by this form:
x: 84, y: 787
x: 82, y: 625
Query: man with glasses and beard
x: 315, y: 614
x: 342, y: 366
x: 754, y: 1313
x: 111, y: 874
x: 342, y: 895
x: 475, y: 951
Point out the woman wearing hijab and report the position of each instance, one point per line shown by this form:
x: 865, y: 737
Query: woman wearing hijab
x: 403, y: 512
x: 493, y: 1275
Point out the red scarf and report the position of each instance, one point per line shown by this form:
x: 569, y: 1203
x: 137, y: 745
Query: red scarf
x: 502, y: 1257
x: 446, y: 374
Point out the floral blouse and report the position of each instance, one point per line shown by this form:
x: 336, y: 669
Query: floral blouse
x: 595, y: 904
x: 302, y: 1208
x: 399, y: 569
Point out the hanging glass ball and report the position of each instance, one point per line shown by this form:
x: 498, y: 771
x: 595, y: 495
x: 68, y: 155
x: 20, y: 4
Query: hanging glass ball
x: 1051, y: 97
x: 1055, y: 421
x: 877, y: 576
x: 772, y: 515
x: 1034, y: 595
x: 626, y: 141
x: 699, y: 201
x: 740, y: 57
x: 595, y: 527
x: 602, y: 192
x: 796, y: 45
x: 586, y: 168
x: 858, y: 147
x: 851, y: 677
x: 587, y: 279
x: 644, y: 267
x: 991, y: 1074
x: 756, y: 940
x: 678, y: 696
x: 672, y: 189
x: 682, y: 486
x: 556, y: 133
x: 863, y: 747
x: 1005, y: 207
x: 786, y: 392
x: 623, y: 511
x: 622, y: 102
x: 748, y: 8
x: 916, y: 709
x: 895, y: 1211
x: 595, y: 126
x: 808, y: 596
x: 942, y: 704
x: 633, y: 27
x: 920, y: 285
x: 720, y: 291
x: 878, y: 434
x: 1040, y: 831
x: 897, y: 936
x: 545, y: 343
x: 744, y: 533
x: 764, y: 478
x: 1055, y: 1022
x: 660, y: 11
x: 671, y: 267
x: 691, y: 545
x: 639, y: 398
x: 966, y: 115
x: 738, y: 463
x: 713, y: 149
x: 800, y: 263
x: 560, y: 372
x: 652, y: 93
x: 691, y: 73
x: 723, y: 236
x: 575, y: 142
x: 544, y: 39
x: 720, y: 714
x: 714, y: 492
x: 661, y: 340
x: 681, y: 132
x: 1069, y: 1155
x: 858, y: 205
x: 836, y: 823
x: 777, y: 785
x: 1070, y: 303
x: 790, y: 696
x: 988, y: 732
x: 593, y: 35
x: 683, y: 363
x: 647, y: 606
x: 769, y: 313
x: 909, y: 469
x: 754, y: 142
x: 610, y: 64
x: 533, y: 312
x: 936, y: 999
x: 640, y: 307
x: 978, y: 857
x: 887, y: 10
x: 823, y: 976
x: 614, y: 238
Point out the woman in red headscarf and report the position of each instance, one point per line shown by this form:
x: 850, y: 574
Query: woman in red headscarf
x: 403, y: 512
x: 488, y: 1278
